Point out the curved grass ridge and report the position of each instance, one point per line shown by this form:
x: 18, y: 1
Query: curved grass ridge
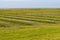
x: 28, y: 19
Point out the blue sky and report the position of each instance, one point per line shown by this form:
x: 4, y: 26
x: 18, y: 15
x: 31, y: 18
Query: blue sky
x: 29, y: 3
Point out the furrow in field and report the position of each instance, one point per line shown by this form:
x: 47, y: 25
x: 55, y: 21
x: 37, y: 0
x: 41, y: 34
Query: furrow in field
x: 35, y: 18
x: 44, y: 18
x: 18, y: 21
x: 29, y: 20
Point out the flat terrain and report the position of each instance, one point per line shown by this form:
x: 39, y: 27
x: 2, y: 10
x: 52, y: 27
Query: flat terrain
x: 33, y: 24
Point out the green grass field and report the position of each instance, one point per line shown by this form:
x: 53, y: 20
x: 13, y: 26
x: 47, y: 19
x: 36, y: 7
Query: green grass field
x: 33, y: 24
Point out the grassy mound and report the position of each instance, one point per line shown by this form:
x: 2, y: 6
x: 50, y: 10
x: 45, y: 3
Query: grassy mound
x: 29, y: 18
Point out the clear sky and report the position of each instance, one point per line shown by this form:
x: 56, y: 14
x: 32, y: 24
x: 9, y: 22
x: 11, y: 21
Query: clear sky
x: 29, y: 3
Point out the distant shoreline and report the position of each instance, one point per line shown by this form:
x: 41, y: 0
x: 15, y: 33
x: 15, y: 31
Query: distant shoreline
x: 24, y: 8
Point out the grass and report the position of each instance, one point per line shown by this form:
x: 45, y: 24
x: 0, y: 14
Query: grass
x: 33, y: 24
x: 43, y: 33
